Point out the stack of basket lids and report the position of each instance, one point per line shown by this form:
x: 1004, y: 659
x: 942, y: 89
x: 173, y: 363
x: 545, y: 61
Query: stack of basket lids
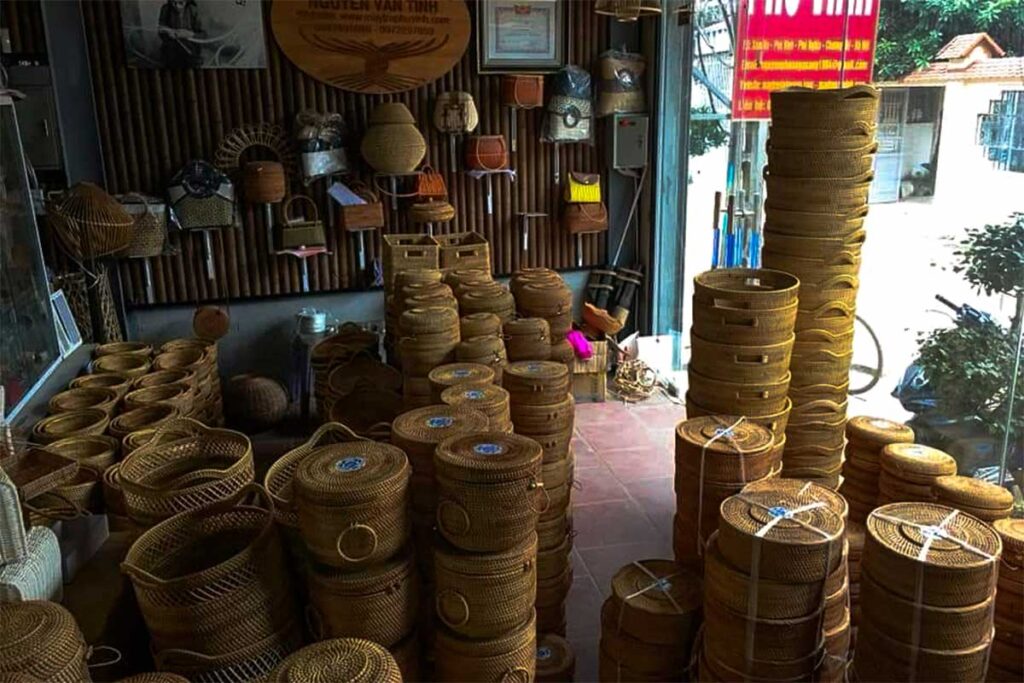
x: 1006, y: 663
x: 855, y: 533
x: 650, y: 622
x: 928, y: 584
x: 40, y: 640
x: 866, y: 437
x: 781, y: 541
x: 715, y: 458
x: 341, y: 660
x: 908, y: 471
x: 986, y: 501
x: 556, y: 662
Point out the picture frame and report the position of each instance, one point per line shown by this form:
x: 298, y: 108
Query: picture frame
x: 68, y: 336
x: 521, y: 36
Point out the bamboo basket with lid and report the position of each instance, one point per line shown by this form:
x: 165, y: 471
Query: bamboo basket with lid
x: 339, y: 660
x: 134, y: 347
x: 509, y: 658
x: 418, y: 432
x: 723, y: 448
x: 527, y: 339
x: 83, y: 422
x: 479, y: 325
x: 352, y: 501
x: 41, y: 639
x: 536, y: 382
x: 497, y: 300
x: 489, y: 490
x: 130, y: 365
x: 491, y: 401
x: 874, y: 433
x: 911, y: 463
x: 378, y: 603
x: 485, y: 595
x: 80, y: 398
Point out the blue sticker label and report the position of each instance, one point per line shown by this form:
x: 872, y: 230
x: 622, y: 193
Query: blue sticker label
x: 440, y: 422
x: 533, y: 367
x: 488, y: 449
x: 543, y: 653
x: 474, y: 394
x: 778, y: 512
x: 352, y: 464
x: 461, y: 372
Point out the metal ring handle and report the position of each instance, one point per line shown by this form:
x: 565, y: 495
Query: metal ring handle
x: 462, y: 601
x: 547, y: 496
x: 519, y: 674
x: 352, y: 527
x: 448, y: 503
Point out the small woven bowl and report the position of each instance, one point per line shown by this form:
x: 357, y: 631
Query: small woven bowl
x: 128, y: 364
x: 85, y: 422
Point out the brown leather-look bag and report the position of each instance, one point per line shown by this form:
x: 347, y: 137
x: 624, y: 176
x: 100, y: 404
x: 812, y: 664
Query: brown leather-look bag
x: 522, y: 91
x: 486, y: 153
x: 581, y: 218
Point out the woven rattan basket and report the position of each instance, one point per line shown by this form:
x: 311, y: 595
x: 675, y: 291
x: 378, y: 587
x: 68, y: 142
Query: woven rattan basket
x: 252, y: 661
x: 89, y: 223
x: 786, y: 162
x: 41, y: 639
x: 745, y: 289
x: 833, y: 194
x: 471, y: 374
x: 489, y: 490
x: 556, y: 661
x: 340, y: 660
x: 527, y: 339
x: 378, y: 603
x: 495, y: 299
x: 35, y: 575
x: 753, y: 398
x: 878, y: 657
x: 540, y: 420
x: 151, y: 416
x: 635, y: 655
x: 84, y: 422
x: 84, y: 397
x: 536, y: 382
x: 828, y: 111
x: 111, y: 380
x: 509, y: 658
x: 736, y: 325
x: 139, y: 348
x: 479, y: 325
x: 353, y: 501
x: 489, y: 400
x: 128, y: 364
x: 418, y: 432
x: 173, y: 473
x: 737, y: 455
x: 178, y: 394
x: 656, y: 601
x: 741, y: 364
x: 874, y: 432
x: 916, y: 463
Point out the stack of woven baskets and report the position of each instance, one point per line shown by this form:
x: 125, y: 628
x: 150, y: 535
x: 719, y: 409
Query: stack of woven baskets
x: 527, y: 339
x: 715, y: 458
x: 429, y: 338
x: 781, y: 546
x: 976, y: 497
x: 468, y: 375
x: 820, y: 155
x: 543, y: 409
x: 198, y: 357
x: 477, y: 296
x: 649, y: 623
x: 489, y: 499
x: 909, y: 470
x: 742, y: 338
x: 470, y: 385
x: 928, y: 586
x: 406, y: 260
x: 337, y: 350
x: 865, y: 439
x: 213, y: 587
x: 40, y: 641
x: 542, y: 293
x: 1006, y: 664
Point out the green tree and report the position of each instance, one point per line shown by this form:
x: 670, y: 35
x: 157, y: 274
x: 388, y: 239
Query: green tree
x: 910, y: 32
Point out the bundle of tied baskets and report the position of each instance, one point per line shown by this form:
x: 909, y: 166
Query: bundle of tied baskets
x: 865, y: 439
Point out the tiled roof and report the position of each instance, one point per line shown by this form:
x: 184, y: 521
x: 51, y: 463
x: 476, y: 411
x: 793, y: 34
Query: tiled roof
x: 962, y: 45
x: 1008, y: 69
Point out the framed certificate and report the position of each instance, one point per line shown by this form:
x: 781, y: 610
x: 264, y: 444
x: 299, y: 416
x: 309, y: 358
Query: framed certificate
x: 520, y: 35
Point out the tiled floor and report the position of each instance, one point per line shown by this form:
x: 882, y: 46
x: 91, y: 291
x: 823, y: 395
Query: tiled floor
x: 622, y: 506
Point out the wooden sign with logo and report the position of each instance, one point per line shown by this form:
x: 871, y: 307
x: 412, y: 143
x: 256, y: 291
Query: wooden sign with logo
x: 372, y: 46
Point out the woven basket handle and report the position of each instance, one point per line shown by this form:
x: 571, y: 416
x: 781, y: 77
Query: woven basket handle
x: 519, y: 674
x: 329, y: 429
x: 143, y: 200
x: 365, y: 191
x: 365, y: 528
x: 57, y: 513
x: 287, y: 209
x: 839, y: 282
x: 463, y: 603
x: 179, y: 426
x: 116, y: 656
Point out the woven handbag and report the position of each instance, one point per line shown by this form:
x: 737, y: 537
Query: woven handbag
x: 486, y: 153
x: 522, y: 91
x: 366, y: 216
x: 455, y: 113
x: 202, y: 197
x: 300, y: 232
x: 149, y: 227
x: 583, y: 188
x: 585, y: 218
x: 430, y: 184
x: 264, y: 182
x: 621, y: 87
x: 37, y: 574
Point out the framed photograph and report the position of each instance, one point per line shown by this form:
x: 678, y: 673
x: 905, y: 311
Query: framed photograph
x: 520, y: 35
x: 68, y: 336
x: 193, y: 34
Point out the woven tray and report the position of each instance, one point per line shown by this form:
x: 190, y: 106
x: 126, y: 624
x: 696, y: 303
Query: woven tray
x: 968, y: 492
x: 480, y: 325
x: 340, y: 660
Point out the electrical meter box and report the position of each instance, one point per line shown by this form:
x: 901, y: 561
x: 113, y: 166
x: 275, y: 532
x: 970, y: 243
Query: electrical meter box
x: 627, y: 140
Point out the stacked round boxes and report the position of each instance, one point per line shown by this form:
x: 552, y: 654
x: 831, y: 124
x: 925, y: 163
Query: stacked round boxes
x: 542, y: 293
x: 484, y: 350
x: 461, y: 374
x: 742, y: 337
x: 982, y: 499
x: 556, y: 662
x: 781, y: 546
x: 543, y: 410
x: 1006, y: 663
x: 480, y: 325
x: 928, y: 585
x: 527, y: 339
x: 715, y: 458
x: 487, y: 297
x: 865, y: 439
x: 393, y: 304
x: 820, y: 154
x: 429, y: 338
x: 489, y: 498
x: 649, y: 623
x: 909, y: 470
x: 488, y: 399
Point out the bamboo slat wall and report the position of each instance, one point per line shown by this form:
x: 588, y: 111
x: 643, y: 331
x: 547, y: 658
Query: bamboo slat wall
x: 153, y: 121
x: 23, y: 20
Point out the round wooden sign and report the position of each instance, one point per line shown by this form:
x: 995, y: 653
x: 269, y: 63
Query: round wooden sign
x: 372, y: 46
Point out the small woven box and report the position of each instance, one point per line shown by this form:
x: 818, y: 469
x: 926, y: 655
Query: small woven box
x: 37, y: 575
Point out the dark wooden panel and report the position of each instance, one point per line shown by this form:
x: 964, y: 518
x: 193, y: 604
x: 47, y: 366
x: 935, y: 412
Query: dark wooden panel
x: 24, y: 21
x: 151, y: 122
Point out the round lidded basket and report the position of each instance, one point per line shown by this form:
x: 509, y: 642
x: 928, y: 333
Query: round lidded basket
x: 489, y: 400
x: 94, y: 451
x: 645, y: 597
x: 509, y: 658
x: 540, y: 420
x: 111, y: 348
x: 418, y: 432
x: 489, y: 490
x: 970, y: 494
x: 741, y: 363
x: 128, y: 364
x: 339, y: 660
x: 876, y: 432
x: 84, y: 422
x: 724, y: 448
x: 754, y: 398
x: 827, y: 163
x: 407, y: 277
x: 497, y: 300
x: 452, y: 374
x: 1011, y: 531
x: 536, y: 382
x: 110, y: 380
x: 84, y: 397
x: 489, y: 351
x: 174, y: 473
x: 954, y: 574
x: 353, y: 502
x: 479, y: 325
x: 485, y: 595
x: 556, y: 661
x: 378, y: 603
x: 916, y: 463
x: 147, y: 417
x: 41, y: 639
x: 646, y: 660
x: 745, y: 289
x: 878, y: 657
x: 431, y: 319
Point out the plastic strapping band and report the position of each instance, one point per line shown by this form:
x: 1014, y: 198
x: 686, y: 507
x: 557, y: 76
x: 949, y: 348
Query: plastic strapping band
x: 930, y: 532
x: 656, y: 582
x: 727, y: 433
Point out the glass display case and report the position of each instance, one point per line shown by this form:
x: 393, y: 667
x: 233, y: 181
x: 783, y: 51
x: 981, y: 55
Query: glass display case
x: 29, y: 349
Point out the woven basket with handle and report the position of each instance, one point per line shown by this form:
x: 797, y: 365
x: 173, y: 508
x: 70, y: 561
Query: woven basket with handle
x: 510, y: 658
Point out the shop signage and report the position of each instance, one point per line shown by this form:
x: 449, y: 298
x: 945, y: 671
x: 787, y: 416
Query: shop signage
x: 782, y: 43
x: 372, y: 46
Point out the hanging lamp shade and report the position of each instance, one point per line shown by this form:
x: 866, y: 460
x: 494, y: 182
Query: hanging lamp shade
x: 89, y: 222
x: 628, y: 10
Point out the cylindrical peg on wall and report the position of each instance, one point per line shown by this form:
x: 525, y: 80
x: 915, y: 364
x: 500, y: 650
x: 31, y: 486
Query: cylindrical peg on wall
x: 512, y: 132
x: 208, y: 255
x: 268, y: 219
x: 147, y: 271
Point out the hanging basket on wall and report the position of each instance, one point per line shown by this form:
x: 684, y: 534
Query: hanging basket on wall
x: 89, y: 223
x: 266, y: 135
x: 628, y: 10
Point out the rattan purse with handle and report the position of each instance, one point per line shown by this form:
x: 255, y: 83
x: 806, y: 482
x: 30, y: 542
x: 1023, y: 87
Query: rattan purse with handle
x: 202, y: 197
x: 149, y: 224
x: 300, y: 232
x: 366, y: 216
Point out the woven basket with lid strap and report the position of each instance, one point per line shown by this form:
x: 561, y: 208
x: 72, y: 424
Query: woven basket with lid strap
x: 804, y: 491
x: 128, y: 364
x: 916, y: 463
x: 378, y: 603
x: 489, y: 490
x: 741, y: 364
x: 480, y: 325
x: 509, y: 658
x: 173, y: 473
x: 418, y: 432
x: 140, y: 348
x: 559, y: 472
x: 452, y: 374
x: 552, y: 562
x: 745, y: 289
x: 489, y: 351
x: 112, y: 380
x: 353, y: 501
x: 432, y: 319
x: 536, y: 382
x: 537, y: 420
x: 490, y: 400
x: 953, y: 575
x: 739, y: 454
x: 657, y: 602
x: 556, y: 661
x: 339, y: 660
x: 496, y: 300
x: 41, y: 639
x: 83, y: 422
x: 878, y: 657
x: 485, y: 595
x: 647, y: 659
x: 84, y: 397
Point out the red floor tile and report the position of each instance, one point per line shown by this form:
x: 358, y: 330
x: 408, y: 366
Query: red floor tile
x: 656, y: 498
x: 602, y: 563
x: 583, y: 610
x: 639, y: 463
x: 610, y: 523
x: 596, y: 413
x: 597, y: 484
x: 661, y: 416
x: 585, y: 455
x: 625, y: 431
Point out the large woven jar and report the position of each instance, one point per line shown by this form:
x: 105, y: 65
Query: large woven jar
x: 340, y: 660
x: 489, y: 490
x: 255, y: 402
x: 509, y: 658
x: 392, y: 143
x: 41, y: 640
x: 353, y: 501
x: 378, y: 603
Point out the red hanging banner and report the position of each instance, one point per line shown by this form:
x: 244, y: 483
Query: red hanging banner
x: 783, y: 43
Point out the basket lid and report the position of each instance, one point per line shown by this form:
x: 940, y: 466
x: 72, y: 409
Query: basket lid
x: 1012, y: 533
x: 523, y: 554
x: 340, y: 660
x: 914, y: 458
x: 488, y: 456
x: 905, y: 529
x: 460, y: 373
x: 555, y: 658
x: 349, y: 473
x: 713, y: 433
x: 433, y: 424
x: 802, y: 491
x: 958, y: 490
x: 38, y: 637
x: 525, y: 326
x: 789, y: 512
x: 531, y: 371
x: 878, y: 430
x: 391, y: 112
x: 479, y: 397
x: 657, y: 587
